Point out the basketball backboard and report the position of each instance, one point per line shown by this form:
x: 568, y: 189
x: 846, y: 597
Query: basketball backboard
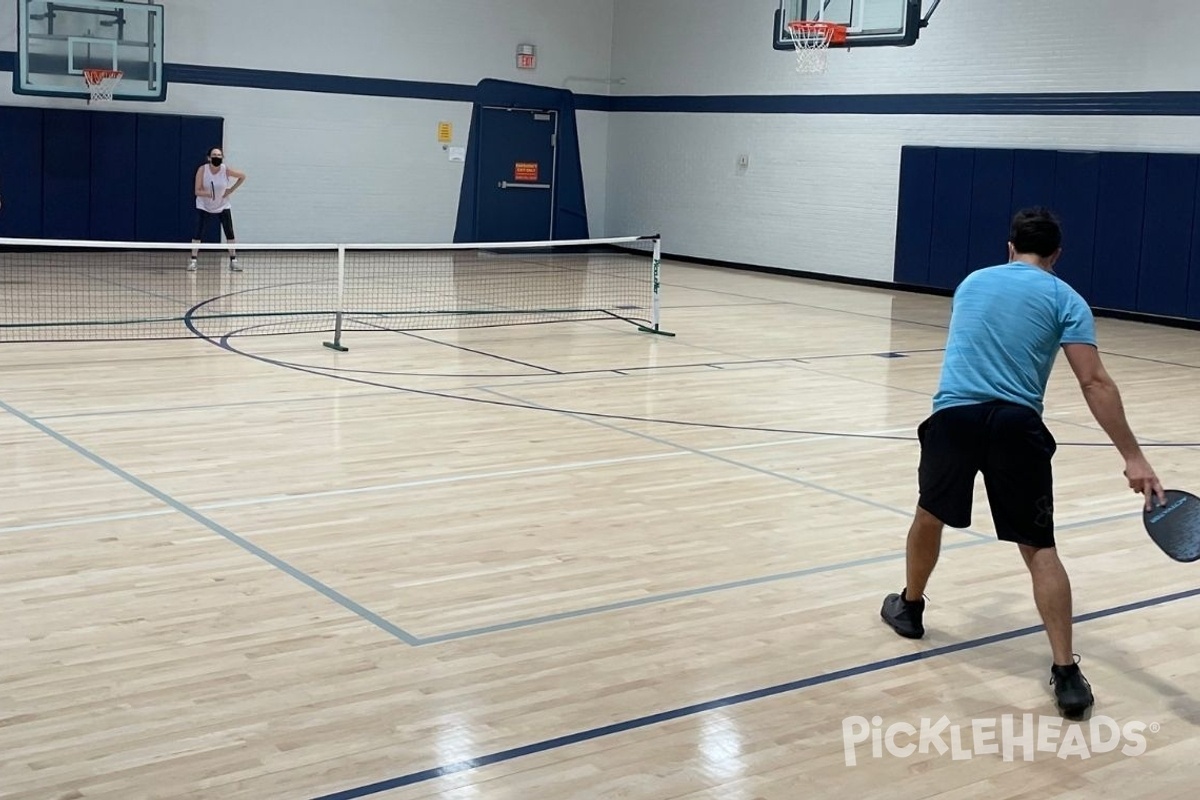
x: 895, y: 23
x: 56, y: 41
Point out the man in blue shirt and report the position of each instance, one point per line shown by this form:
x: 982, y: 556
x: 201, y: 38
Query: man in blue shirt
x: 1006, y: 327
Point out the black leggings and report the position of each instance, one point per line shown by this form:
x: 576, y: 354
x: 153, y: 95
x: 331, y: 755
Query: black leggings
x: 202, y: 218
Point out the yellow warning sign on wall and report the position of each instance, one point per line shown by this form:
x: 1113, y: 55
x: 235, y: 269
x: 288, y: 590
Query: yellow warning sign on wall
x: 445, y: 132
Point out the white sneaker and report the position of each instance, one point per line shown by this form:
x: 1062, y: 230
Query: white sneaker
x: 234, y: 266
x: 191, y: 265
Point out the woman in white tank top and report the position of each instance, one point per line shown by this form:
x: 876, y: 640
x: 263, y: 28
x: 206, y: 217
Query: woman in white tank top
x: 215, y: 182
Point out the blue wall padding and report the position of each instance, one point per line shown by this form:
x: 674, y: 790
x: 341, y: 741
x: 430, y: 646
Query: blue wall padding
x: 1076, y: 186
x: 158, y: 156
x: 914, y: 220
x: 1131, y: 221
x: 114, y: 177
x: 21, y: 172
x: 1033, y: 178
x: 1167, y: 234
x: 1120, y: 205
x: 66, y: 173
x: 991, y: 192
x: 951, y: 217
x: 101, y: 175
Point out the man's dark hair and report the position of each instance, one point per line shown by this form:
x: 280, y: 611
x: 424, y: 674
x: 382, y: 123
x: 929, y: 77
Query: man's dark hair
x: 1035, y: 230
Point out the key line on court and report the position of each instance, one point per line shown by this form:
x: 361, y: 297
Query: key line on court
x: 332, y: 398
x: 259, y: 552
x: 738, y: 584
x: 728, y: 461
x: 682, y: 594
x: 139, y: 290
x: 676, y: 595
x: 415, y: 640
x: 728, y: 701
x: 416, y: 483
x: 875, y: 290
x: 471, y: 350
x: 581, y: 413
x: 870, y: 289
x: 1092, y: 428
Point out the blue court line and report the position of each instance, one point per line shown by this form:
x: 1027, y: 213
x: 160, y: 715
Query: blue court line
x: 731, y: 700
x: 683, y: 594
x: 217, y: 528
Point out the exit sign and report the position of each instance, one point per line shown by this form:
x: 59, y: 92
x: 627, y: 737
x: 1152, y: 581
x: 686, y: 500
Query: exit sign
x: 526, y: 56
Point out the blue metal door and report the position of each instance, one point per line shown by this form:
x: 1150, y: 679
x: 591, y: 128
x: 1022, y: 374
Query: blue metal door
x: 515, y: 200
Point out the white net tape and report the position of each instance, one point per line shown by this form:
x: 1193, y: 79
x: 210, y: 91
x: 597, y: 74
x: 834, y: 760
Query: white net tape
x: 101, y: 85
x: 812, y: 47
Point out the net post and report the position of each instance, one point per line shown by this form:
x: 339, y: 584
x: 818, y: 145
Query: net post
x: 656, y: 292
x: 336, y: 344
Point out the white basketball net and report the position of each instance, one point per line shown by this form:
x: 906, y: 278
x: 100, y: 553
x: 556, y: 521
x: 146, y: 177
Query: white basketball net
x: 812, y: 42
x: 101, y: 84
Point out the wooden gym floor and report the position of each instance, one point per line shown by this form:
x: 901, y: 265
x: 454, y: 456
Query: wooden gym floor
x: 559, y: 561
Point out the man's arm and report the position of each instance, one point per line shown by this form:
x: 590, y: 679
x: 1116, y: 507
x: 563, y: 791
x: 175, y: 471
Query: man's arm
x: 1104, y: 401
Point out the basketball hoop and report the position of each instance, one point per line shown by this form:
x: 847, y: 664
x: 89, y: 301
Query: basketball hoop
x: 812, y: 40
x: 101, y: 83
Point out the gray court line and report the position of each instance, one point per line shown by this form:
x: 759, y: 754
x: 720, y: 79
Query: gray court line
x: 715, y: 457
x: 420, y: 482
x: 309, y: 581
x: 211, y: 406
x: 1088, y: 523
x: 72, y: 522
x: 413, y: 640
x: 1083, y: 425
x: 137, y: 289
x: 874, y: 290
x: 682, y: 594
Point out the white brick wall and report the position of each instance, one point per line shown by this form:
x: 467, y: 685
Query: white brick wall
x: 820, y: 192
x: 325, y: 167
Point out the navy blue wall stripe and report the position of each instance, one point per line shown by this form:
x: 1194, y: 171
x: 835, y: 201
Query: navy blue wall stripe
x: 313, y: 82
x: 1152, y: 104
x: 1158, y: 104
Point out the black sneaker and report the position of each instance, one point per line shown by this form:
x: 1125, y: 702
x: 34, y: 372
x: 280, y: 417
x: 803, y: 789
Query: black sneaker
x: 1072, y: 692
x: 904, y: 615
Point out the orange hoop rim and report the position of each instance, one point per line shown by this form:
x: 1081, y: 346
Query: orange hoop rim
x: 94, y: 76
x: 835, y: 32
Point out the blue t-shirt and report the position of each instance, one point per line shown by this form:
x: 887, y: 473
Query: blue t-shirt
x: 1006, y: 327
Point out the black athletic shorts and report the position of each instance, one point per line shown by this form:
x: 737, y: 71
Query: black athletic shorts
x: 202, y: 218
x: 1011, y: 446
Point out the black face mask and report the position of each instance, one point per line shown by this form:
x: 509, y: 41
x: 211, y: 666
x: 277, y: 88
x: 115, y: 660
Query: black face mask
x: 215, y: 161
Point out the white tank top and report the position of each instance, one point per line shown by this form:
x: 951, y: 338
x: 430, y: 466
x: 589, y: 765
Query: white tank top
x: 214, y: 200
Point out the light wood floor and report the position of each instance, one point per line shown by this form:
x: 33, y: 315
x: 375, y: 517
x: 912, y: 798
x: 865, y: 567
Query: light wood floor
x: 416, y: 570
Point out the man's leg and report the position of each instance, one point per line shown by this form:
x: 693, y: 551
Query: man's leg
x: 947, y: 484
x: 924, y: 547
x: 1020, y: 485
x: 1052, y: 593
